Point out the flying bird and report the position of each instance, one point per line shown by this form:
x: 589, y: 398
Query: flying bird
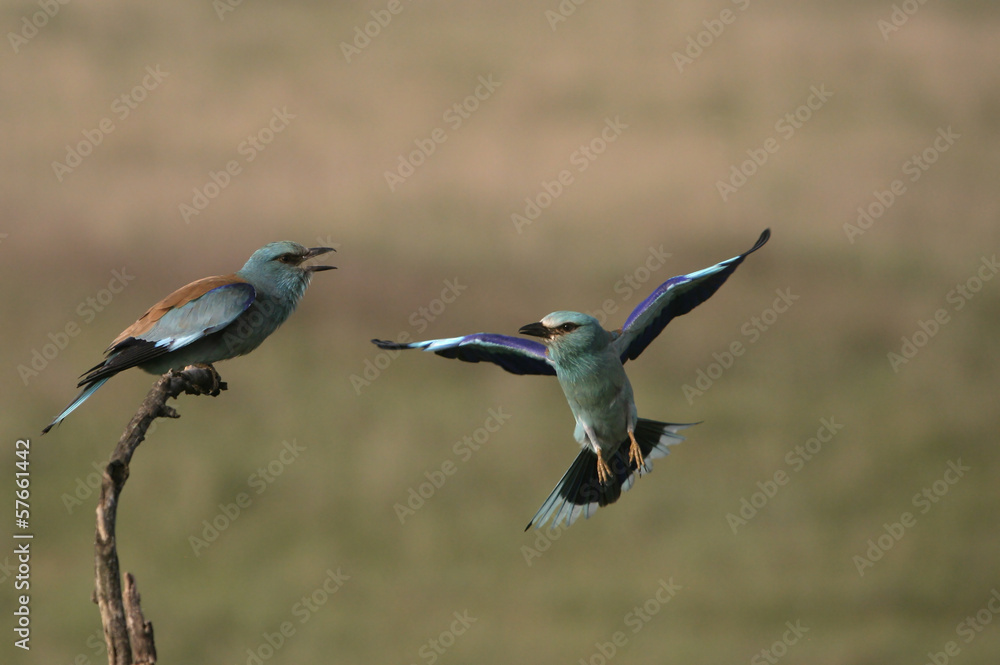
x: 211, y: 319
x: 589, y: 362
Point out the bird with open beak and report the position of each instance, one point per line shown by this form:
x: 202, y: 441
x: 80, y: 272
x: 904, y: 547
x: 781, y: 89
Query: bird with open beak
x: 588, y: 360
x: 211, y: 319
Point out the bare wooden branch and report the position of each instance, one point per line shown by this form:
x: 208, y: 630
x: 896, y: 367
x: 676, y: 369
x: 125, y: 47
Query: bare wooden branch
x: 140, y: 631
x: 129, y: 637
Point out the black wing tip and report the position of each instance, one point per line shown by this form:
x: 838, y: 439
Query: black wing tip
x: 386, y: 344
x: 761, y: 241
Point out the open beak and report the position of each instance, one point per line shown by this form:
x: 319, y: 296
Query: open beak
x: 535, y: 330
x: 318, y: 251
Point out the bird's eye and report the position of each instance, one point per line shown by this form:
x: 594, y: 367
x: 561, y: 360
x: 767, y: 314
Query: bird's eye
x: 290, y: 259
x: 568, y: 327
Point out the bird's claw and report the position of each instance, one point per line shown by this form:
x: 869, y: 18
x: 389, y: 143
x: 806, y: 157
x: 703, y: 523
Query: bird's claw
x: 635, y: 453
x: 215, y: 382
x: 603, y: 470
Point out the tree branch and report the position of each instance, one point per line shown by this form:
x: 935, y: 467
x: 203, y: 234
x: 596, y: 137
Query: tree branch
x: 128, y: 635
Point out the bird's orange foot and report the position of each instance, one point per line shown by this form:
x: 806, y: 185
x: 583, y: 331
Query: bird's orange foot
x: 603, y: 470
x: 635, y: 453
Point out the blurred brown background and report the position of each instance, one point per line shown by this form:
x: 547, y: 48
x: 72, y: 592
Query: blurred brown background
x: 205, y: 87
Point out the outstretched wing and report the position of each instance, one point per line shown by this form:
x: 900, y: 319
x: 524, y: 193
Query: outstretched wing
x: 185, y: 316
x: 675, y: 297
x: 516, y: 355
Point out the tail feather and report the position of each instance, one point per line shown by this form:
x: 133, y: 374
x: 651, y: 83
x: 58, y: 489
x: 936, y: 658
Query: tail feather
x: 580, y: 491
x: 80, y: 399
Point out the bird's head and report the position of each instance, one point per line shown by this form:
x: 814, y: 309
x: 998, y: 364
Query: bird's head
x: 568, y: 333
x: 280, y: 264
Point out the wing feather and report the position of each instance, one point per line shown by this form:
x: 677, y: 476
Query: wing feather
x: 516, y: 355
x: 185, y: 316
x: 675, y: 297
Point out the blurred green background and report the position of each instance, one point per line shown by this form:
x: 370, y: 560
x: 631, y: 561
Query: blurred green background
x: 349, y: 110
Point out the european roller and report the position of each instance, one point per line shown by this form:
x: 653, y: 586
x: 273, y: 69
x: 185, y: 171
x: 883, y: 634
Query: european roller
x: 589, y: 361
x: 211, y: 319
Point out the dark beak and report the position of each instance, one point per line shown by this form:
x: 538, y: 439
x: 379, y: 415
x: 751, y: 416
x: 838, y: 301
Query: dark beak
x: 535, y: 330
x: 317, y: 251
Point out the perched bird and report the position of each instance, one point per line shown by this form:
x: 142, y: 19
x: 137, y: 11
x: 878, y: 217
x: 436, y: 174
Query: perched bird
x: 211, y: 319
x: 588, y: 361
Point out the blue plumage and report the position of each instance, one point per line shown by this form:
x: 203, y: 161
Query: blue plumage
x: 211, y: 319
x: 589, y: 363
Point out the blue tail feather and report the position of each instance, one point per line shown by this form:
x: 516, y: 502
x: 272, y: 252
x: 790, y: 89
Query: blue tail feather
x: 580, y: 491
x: 80, y: 399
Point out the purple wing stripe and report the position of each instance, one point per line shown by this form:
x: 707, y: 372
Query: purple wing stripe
x: 676, y: 297
x: 516, y: 355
